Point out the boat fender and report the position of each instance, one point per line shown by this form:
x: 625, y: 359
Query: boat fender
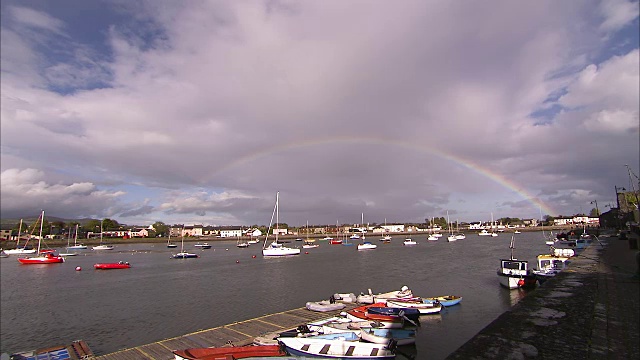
x: 521, y: 282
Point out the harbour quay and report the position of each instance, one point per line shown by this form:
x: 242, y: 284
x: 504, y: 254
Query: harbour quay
x: 588, y: 311
x: 236, y: 334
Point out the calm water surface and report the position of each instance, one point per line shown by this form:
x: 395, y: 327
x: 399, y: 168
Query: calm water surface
x: 159, y: 297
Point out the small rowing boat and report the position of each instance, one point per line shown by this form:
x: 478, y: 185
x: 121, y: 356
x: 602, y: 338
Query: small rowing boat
x: 447, y: 300
x: 230, y: 352
x: 109, y: 266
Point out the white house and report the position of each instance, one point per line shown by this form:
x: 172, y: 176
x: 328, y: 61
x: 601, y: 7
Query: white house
x: 230, y: 233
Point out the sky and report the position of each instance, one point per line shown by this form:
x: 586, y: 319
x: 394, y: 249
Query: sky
x: 198, y: 112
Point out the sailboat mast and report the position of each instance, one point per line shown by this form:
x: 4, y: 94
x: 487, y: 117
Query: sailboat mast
x: 40, y: 237
x: 277, y: 215
x: 19, y: 233
x: 75, y: 239
x: 182, y: 239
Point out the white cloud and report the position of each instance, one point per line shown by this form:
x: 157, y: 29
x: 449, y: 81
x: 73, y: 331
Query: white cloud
x: 37, y: 19
x: 24, y: 192
x: 608, y: 94
x: 617, y: 13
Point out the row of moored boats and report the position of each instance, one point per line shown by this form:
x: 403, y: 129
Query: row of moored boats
x: 371, y: 330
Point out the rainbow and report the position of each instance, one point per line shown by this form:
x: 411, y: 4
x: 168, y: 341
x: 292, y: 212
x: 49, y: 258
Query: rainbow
x: 498, y: 178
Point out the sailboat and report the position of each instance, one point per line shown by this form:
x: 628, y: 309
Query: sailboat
x: 276, y: 248
x: 493, y: 225
x: 169, y: 243
x: 102, y: 246
x: 182, y: 254
x: 69, y: 247
x: 46, y: 257
x: 76, y: 246
x: 308, y: 244
x: 337, y: 240
x: 459, y: 235
x: 20, y: 249
x: 451, y: 237
x: 241, y: 243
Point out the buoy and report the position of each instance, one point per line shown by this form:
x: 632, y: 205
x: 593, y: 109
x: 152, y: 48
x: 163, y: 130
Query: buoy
x: 237, y: 261
x: 227, y: 249
x: 78, y: 268
x: 306, y: 252
x: 521, y: 282
x: 254, y: 256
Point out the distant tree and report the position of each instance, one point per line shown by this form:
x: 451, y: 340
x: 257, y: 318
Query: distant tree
x: 109, y: 224
x: 548, y: 219
x: 93, y: 226
x: 594, y: 212
x: 161, y: 228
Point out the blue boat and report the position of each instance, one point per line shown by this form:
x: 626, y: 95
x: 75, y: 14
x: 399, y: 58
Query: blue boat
x: 411, y: 314
x: 447, y: 300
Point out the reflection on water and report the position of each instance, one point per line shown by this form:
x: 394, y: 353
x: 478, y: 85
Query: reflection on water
x: 159, y: 297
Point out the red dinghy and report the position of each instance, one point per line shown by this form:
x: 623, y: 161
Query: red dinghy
x: 107, y: 266
x: 233, y: 352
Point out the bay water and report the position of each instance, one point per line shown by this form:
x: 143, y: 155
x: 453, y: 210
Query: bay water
x: 160, y: 297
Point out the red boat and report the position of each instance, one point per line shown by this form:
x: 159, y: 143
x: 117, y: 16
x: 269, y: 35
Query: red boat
x: 335, y: 242
x: 46, y: 258
x: 361, y: 314
x: 233, y: 352
x: 107, y: 266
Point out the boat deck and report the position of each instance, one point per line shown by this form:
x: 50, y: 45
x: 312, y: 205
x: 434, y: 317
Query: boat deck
x: 239, y: 334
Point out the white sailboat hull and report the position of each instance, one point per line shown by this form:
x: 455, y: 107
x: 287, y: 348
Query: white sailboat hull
x: 280, y: 251
x: 19, y: 251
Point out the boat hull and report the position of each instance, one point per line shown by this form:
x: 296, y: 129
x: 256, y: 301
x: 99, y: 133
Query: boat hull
x: 234, y: 352
x: 281, y: 251
x: 185, y: 256
x: 19, y: 251
x: 110, y: 266
x: 382, y: 336
x: 337, y: 349
x: 425, y: 307
x: 447, y: 300
x: 42, y: 260
x: 515, y: 281
x: 324, y: 306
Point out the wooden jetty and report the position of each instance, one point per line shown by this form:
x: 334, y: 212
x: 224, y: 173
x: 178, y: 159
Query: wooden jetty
x: 238, y: 334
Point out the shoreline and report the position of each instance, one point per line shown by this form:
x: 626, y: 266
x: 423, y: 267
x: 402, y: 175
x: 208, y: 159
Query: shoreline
x: 10, y: 244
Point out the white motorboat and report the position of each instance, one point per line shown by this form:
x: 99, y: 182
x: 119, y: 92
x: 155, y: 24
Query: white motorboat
x: 367, y: 246
x: 103, y: 247
x: 514, y: 273
x: 549, y: 265
x: 409, y: 242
